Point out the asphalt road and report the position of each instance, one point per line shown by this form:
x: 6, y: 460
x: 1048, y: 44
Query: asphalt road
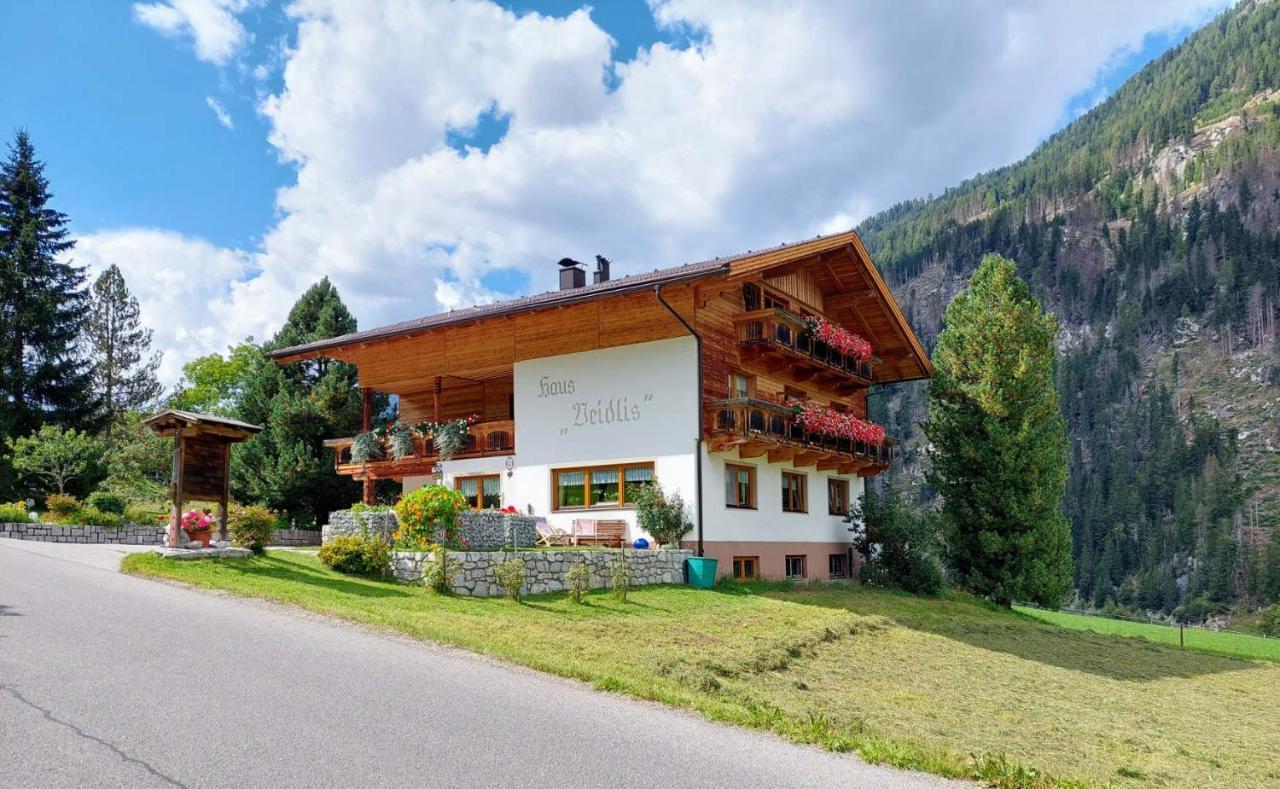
x: 110, y: 680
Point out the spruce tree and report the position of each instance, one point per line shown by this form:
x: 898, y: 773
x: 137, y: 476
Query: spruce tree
x: 43, y: 378
x: 286, y: 467
x: 999, y: 446
x: 124, y: 368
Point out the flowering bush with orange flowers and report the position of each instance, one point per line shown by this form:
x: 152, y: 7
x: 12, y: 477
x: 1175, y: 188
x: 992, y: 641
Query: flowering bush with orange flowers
x: 840, y: 338
x: 429, y: 515
x: 820, y: 419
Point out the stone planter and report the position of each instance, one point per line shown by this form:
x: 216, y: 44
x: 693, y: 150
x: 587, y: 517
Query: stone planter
x: 486, y: 530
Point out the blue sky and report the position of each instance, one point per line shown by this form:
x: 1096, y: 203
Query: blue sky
x: 120, y: 117
x: 460, y: 149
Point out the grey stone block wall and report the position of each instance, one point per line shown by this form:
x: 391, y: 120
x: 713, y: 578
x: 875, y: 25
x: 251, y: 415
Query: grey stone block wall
x: 544, y: 570
x: 481, y: 531
x: 344, y: 522
x: 50, y: 532
x: 296, y: 537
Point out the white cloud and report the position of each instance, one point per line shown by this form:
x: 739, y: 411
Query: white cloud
x: 210, y: 24
x: 786, y: 120
x: 220, y: 112
x: 185, y: 288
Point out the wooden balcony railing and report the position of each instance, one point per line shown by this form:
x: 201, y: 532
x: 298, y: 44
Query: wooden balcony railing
x: 496, y: 437
x: 778, y: 333
x: 759, y: 427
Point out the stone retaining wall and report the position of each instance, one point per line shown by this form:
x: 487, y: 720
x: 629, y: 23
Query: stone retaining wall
x: 295, y: 537
x: 117, y: 535
x: 482, y: 531
x: 544, y: 570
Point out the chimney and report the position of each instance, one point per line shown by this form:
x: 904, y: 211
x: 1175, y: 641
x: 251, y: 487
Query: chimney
x: 571, y: 274
x: 602, y: 269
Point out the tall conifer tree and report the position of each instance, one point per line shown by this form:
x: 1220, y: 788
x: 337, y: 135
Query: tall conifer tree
x: 124, y: 368
x: 287, y: 466
x: 999, y: 444
x: 43, y: 378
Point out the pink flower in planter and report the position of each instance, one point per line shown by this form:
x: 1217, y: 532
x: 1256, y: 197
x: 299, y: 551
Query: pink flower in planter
x: 195, y: 520
x: 840, y: 338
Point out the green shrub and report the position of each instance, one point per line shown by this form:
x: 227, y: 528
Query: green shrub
x: 665, y: 518
x: 578, y: 579
x: 897, y: 543
x: 427, y: 515
x: 252, y: 528
x: 15, y: 512
x: 61, y: 505
x: 510, y: 576
x: 141, y: 515
x: 1198, y: 609
x: 1270, y: 621
x: 92, y: 516
x: 357, y: 555
x: 620, y: 575
x: 439, y: 575
x: 107, y: 502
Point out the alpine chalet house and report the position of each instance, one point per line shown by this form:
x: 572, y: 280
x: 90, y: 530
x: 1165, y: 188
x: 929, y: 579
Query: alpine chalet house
x: 740, y: 382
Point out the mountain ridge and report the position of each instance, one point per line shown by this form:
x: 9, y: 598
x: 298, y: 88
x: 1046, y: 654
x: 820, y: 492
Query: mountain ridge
x: 1148, y: 226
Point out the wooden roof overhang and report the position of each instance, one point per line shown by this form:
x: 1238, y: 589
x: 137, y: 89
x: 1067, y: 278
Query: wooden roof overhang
x: 479, y: 344
x: 855, y: 296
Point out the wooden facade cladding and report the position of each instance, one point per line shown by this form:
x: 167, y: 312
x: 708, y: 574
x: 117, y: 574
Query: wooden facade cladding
x: 444, y: 369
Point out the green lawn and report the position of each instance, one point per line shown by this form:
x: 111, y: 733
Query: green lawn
x: 1233, y: 644
x: 953, y: 685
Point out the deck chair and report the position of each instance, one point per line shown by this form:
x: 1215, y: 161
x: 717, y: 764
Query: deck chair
x: 549, y: 535
x: 584, y: 531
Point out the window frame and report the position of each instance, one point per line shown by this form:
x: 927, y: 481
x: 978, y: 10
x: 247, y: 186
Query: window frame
x: 620, y: 468
x: 751, y: 483
x: 479, y: 478
x: 836, y: 482
x: 803, y: 559
x: 753, y: 561
x: 747, y: 379
x: 847, y: 570
x: 803, y: 492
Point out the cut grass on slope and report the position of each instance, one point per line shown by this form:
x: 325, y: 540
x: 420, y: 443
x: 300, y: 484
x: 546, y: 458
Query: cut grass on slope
x: 1240, y: 645
x: 953, y: 686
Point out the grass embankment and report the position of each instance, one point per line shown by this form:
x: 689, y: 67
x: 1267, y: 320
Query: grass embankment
x: 953, y: 686
x: 1241, y: 645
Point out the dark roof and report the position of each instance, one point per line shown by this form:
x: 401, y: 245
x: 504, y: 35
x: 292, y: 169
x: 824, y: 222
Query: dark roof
x: 688, y: 271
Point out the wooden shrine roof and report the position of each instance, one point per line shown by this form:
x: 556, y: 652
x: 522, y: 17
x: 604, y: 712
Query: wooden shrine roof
x: 167, y: 422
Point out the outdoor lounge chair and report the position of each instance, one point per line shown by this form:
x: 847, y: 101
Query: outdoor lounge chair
x: 549, y: 535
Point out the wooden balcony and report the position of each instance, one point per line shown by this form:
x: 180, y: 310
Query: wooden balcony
x: 781, y: 342
x: 758, y: 427
x: 485, y: 439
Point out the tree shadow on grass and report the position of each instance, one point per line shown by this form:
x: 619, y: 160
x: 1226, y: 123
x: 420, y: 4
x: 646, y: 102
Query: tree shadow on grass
x: 278, y: 569
x: 989, y: 627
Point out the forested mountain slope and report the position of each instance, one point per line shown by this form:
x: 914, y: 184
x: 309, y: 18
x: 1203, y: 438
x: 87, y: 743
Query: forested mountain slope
x: 1151, y: 227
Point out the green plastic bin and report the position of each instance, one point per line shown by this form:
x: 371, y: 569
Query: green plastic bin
x: 700, y: 572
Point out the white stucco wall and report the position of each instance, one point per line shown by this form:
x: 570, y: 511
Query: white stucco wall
x: 632, y: 403
x: 617, y: 405
x: 767, y: 522
x: 637, y: 403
